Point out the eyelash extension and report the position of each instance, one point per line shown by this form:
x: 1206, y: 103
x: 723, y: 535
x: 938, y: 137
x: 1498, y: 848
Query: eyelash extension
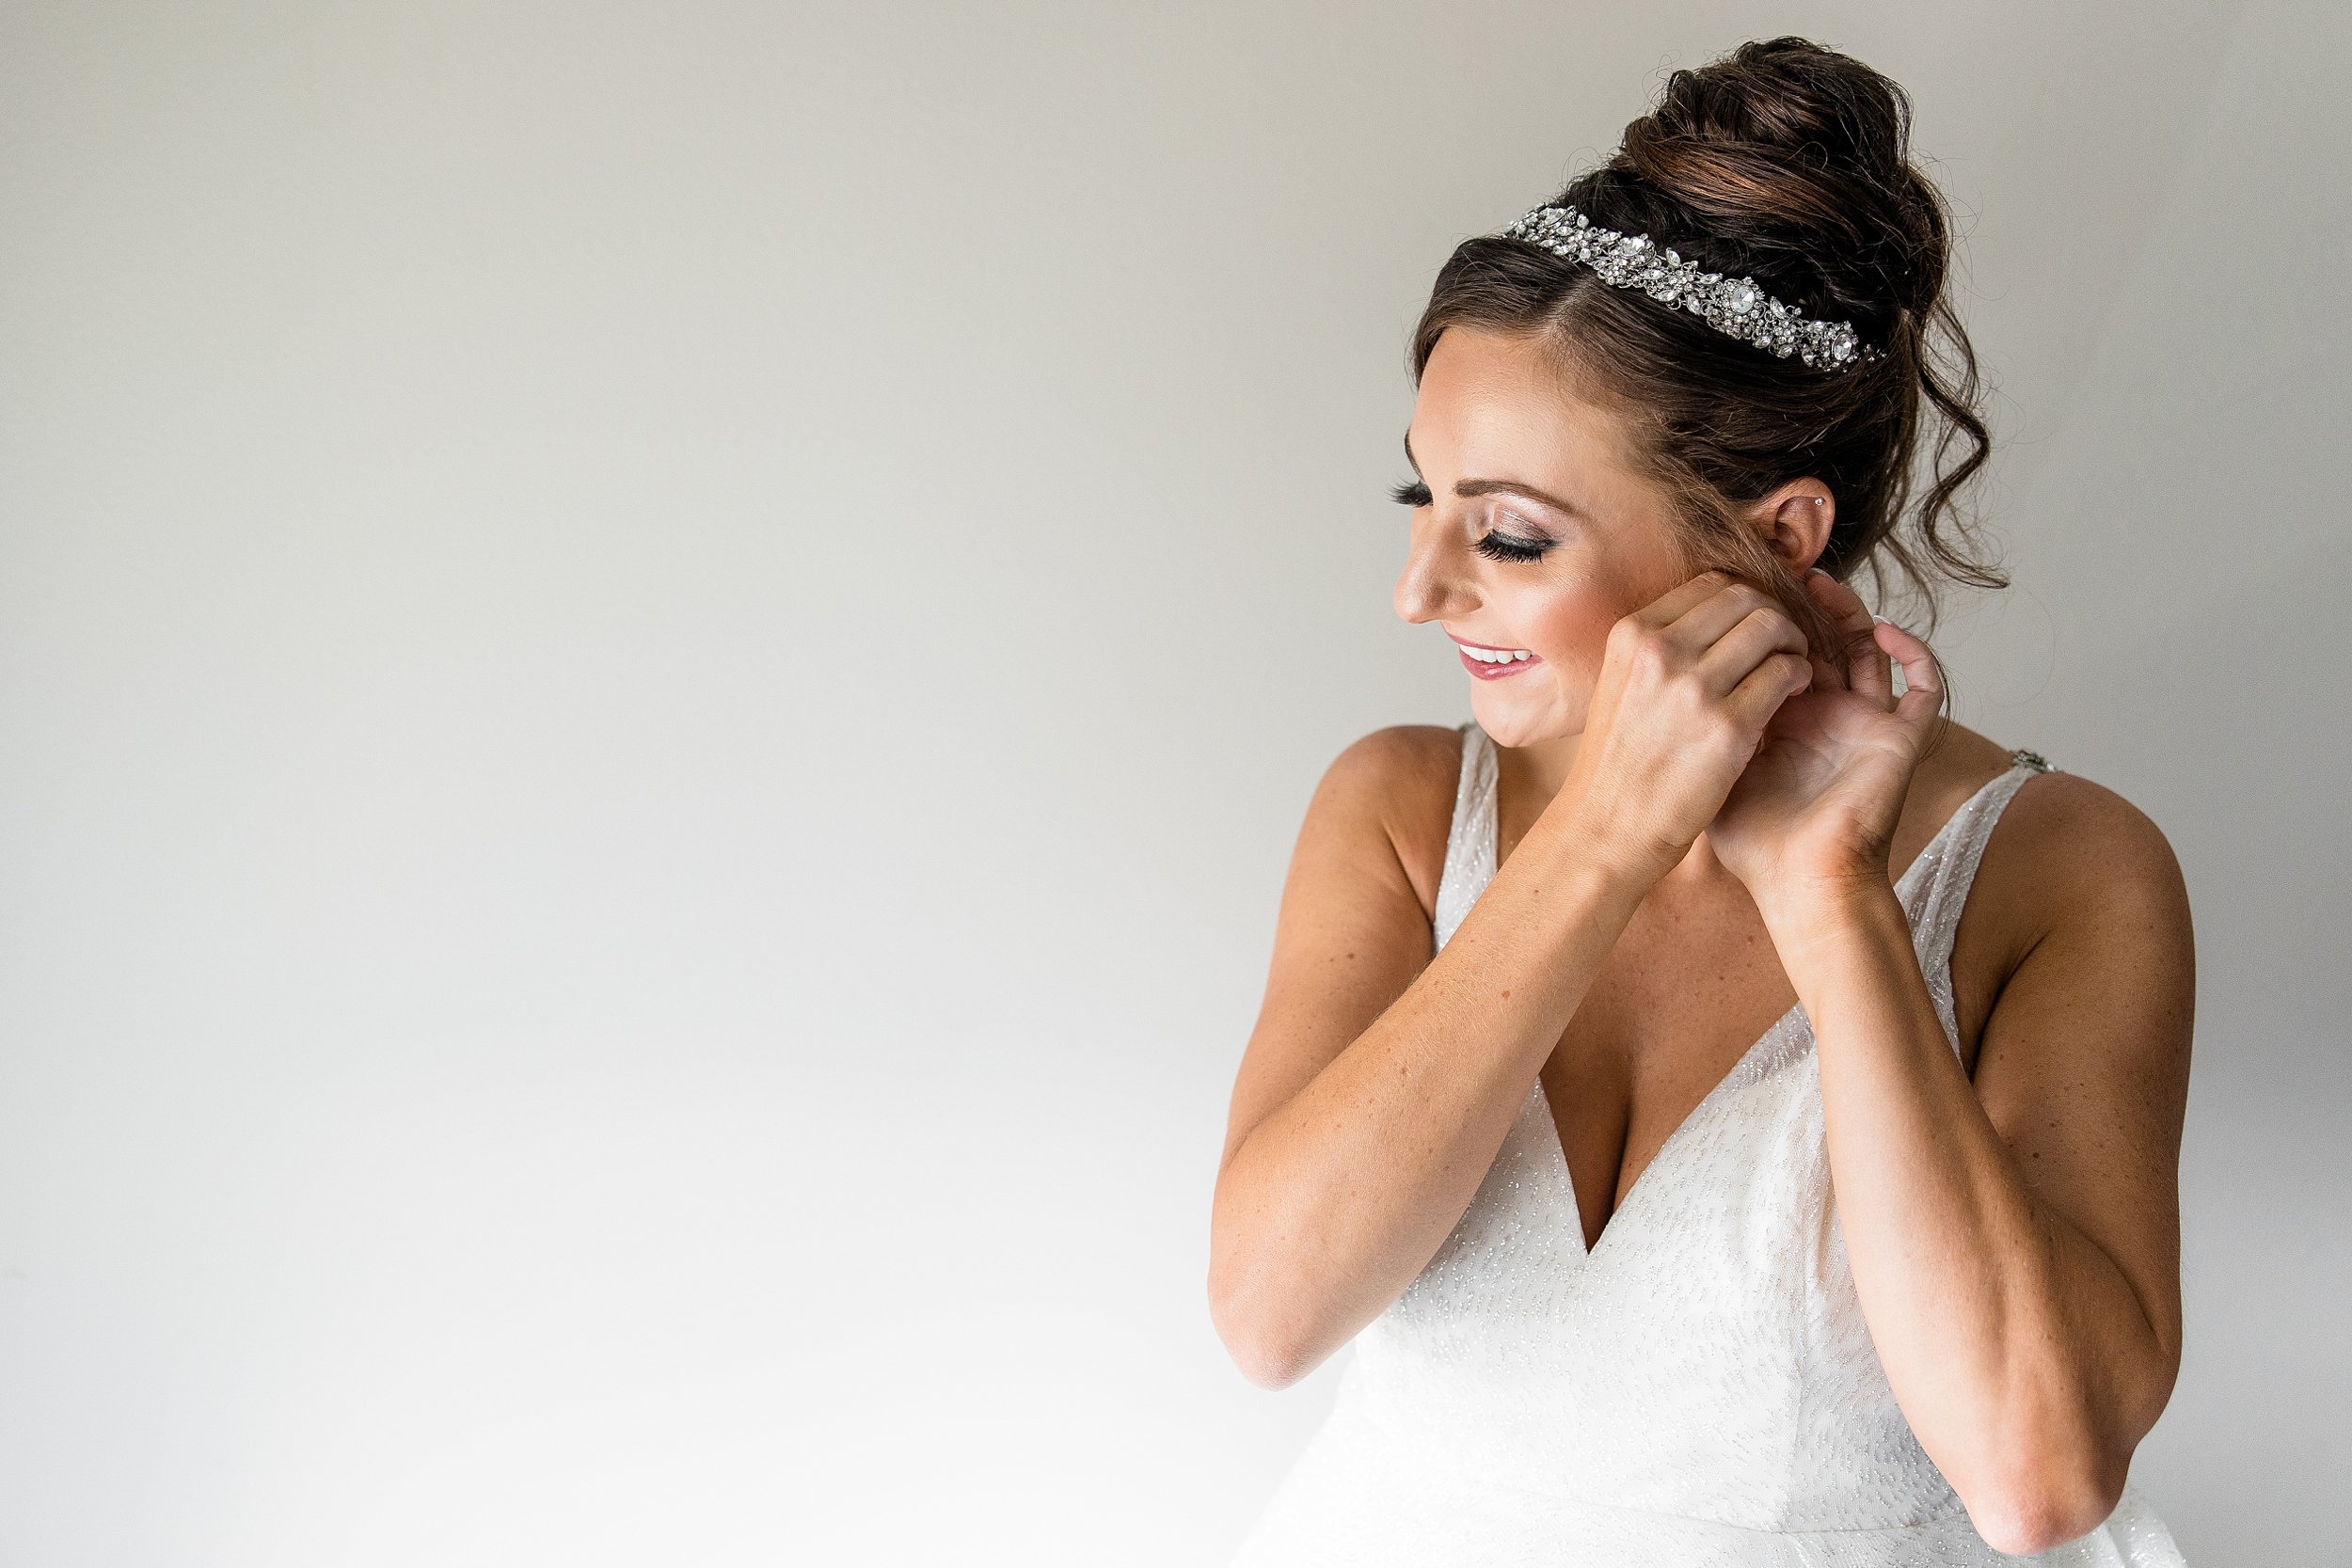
x: 1494, y: 546
x: 1503, y: 546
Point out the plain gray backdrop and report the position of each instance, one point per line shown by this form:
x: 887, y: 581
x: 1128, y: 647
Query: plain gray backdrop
x: 658, y: 662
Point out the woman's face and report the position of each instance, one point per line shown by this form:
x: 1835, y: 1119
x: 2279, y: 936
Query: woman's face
x: 1532, y: 533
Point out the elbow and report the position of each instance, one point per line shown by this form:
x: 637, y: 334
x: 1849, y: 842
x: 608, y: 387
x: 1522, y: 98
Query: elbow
x: 2051, y: 1467
x: 1268, y: 1364
x: 2039, y: 1501
x: 1269, y: 1351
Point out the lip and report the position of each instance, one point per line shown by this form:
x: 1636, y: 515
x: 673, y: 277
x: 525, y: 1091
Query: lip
x: 1493, y: 672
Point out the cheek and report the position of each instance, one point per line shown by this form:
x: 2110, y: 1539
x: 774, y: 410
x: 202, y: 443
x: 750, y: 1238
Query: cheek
x: 1570, y: 626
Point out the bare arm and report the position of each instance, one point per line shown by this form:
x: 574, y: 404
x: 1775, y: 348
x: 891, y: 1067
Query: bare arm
x: 2015, y: 1242
x: 2013, y: 1239
x: 1380, y: 1081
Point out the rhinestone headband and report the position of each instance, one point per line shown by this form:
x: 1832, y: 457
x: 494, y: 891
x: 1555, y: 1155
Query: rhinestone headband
x: 1737, y: 306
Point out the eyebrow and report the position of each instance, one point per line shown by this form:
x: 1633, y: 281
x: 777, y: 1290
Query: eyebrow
x: 1469, y: 487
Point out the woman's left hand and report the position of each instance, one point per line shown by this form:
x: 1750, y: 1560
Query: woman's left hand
x: 1815, y: 810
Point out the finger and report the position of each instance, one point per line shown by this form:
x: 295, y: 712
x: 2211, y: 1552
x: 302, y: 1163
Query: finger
x: 1754, y: 700
x: 1669, y: 607
x: 1759, y: 635
x: 1830, y: 669
x: 1697, y: 628
x: 1923, y: 678
x: 1865, y: 670
x: 1827, y: 676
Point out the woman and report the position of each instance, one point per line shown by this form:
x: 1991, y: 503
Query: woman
x: 1703, y: 1175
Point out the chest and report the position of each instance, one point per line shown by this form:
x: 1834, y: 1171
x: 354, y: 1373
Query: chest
x: 1693, y: 987
x: 1687, y: 992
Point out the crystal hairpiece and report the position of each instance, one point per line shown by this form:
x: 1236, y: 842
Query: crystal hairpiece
x: 1737, y: 306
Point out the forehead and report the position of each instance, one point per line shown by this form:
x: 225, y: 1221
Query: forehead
x: 1492, y: 403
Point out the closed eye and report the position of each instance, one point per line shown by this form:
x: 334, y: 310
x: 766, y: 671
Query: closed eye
x: 1504, y: 547
x: 1493, y: 545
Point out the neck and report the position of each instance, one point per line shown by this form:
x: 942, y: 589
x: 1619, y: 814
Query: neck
x: 1539, y: 771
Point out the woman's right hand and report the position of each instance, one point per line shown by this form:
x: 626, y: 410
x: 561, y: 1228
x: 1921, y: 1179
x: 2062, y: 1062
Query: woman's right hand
x: 1686, y: 688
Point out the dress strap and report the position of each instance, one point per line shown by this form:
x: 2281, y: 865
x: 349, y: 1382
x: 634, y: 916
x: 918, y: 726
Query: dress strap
x: 1469, y: 843
x: 1938, y: 884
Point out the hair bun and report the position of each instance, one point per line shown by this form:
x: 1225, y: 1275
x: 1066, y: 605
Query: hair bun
x: 1800, y: 153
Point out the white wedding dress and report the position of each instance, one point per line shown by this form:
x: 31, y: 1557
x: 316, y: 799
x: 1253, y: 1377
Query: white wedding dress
x: 1700, y: 1388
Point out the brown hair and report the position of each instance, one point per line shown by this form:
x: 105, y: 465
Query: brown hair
x: 1789, y: 164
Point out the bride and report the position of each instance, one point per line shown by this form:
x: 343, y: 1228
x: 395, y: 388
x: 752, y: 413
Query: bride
x: 1703, y: 1174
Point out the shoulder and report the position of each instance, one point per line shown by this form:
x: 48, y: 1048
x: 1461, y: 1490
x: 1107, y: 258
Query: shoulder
x: 2059, y: 835
x: 1403, y: 760
x: 1396, y: 785
x: 2069, y: 848
x: 2081, y: 885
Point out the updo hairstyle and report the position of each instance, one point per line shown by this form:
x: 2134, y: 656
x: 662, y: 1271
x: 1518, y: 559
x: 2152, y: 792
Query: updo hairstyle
x: 1789, y: 164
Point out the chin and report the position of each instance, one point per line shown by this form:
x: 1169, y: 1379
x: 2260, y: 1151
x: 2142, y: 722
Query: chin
x: 1528, y: 721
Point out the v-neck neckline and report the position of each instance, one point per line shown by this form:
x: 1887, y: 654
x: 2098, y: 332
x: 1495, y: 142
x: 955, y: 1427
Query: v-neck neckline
x: 1738, y: 1071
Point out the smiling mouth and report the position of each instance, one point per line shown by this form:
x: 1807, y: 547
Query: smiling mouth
x: 1494, y: 664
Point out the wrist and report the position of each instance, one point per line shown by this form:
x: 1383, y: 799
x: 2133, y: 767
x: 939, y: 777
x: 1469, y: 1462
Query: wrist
x: 1805, y: 912
x: 1610, y: 870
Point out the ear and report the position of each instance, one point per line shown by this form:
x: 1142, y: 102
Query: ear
x: 1793, y: 522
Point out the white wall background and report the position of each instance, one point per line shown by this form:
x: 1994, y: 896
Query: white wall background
x: 642, y: 795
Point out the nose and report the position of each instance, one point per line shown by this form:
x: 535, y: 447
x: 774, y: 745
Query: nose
x: 1432, y: 586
